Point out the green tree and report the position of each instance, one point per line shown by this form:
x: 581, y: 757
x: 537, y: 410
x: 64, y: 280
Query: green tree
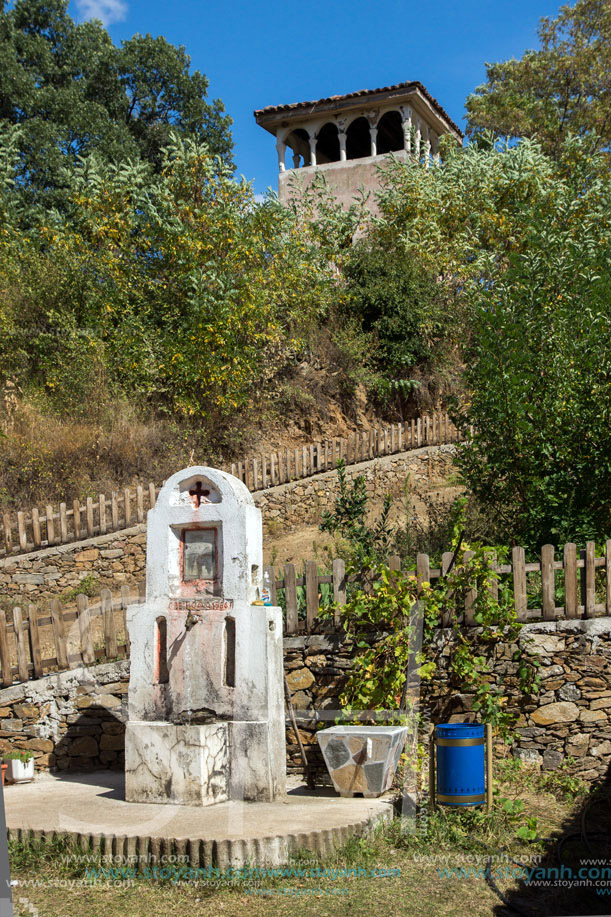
x: 522, y: 241
x: 73, y: 92
x: 562, y: 88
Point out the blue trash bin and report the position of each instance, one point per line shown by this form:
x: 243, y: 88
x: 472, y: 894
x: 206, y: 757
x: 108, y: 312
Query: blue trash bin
x: 461, y: 772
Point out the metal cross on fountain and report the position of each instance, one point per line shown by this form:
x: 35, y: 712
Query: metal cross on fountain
x: 199, y: 496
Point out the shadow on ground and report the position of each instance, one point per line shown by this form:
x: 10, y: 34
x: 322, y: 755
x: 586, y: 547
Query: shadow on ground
x: 574, y: 875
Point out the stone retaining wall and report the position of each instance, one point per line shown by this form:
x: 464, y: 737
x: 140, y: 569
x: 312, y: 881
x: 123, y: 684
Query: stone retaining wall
x: 120, y: 558
x: 76, y: 720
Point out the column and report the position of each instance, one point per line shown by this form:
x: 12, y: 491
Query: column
x: 407, y: 133
x: 281, y: 150
x: 418, y: 139
x: 342, y: 145
x: 435, y: 149
x: 427, y: 147
x: 313, y: 150
x: 373, y: 133
x: 296, y: 160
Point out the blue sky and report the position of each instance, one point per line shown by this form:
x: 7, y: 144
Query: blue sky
x: 266, y: 52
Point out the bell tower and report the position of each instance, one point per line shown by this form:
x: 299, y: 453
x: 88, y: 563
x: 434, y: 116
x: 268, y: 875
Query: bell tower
x: 349, y: 137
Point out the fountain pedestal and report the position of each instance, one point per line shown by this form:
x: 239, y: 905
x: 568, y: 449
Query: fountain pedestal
x: 206, y: 705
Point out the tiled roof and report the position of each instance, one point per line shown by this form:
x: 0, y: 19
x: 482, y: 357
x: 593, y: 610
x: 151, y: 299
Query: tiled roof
x: 363, y: 93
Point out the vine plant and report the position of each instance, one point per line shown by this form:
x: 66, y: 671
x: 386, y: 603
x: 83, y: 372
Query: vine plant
x: 381, y: 616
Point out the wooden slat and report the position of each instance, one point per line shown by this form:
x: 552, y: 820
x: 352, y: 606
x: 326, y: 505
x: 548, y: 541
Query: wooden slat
x: 519, y: 583
x: 59, y: 634
x: 470, y: 593
x: 23, y: 538
x: 272, y: 469
x: 36, y: 527
x: 304, y: 462
x: 255, y: 475
x: 139, y: 503
x: 290, y: 594
x: 84, y: 623
x: 446, y: 560
x: 21, y: 643
x: 126, y: 600
x: 34, y: 635
x: 339, y: 585
x: 76, y: 519
x: 89, y: 517
x: 127, y: 507
x: 271, y: 573
x: 394, y: 562
x: 312, y: 603
x: 50, y: 525
x: 152, y: 495
x: 493, y: 589
x: 8, y: 539
x: 570, y: 580
x: 102, y: 505
x: 114, y: 511
x: 5, y: 656
x: 110, y: 637
x: 422, y: 569
x: 590, y: 580
x: 63, y: 524
x: 241, y: 471
x: 547, y: 582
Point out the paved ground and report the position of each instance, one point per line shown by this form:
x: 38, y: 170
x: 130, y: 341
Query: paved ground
x: 94, y: 803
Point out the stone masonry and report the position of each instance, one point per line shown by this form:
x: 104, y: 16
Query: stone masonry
x: 76, y: 720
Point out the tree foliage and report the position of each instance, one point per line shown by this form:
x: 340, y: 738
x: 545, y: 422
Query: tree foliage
x: 522, y: 243
x: 562, y: 88
x: 73, y: 92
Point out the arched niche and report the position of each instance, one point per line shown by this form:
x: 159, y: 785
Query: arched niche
x: 327, y: 145
x: 358, y: 139
x: 390, y: 133
x: 299, y: 142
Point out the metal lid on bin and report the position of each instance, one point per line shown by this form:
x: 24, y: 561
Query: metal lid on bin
x: 459, y: 730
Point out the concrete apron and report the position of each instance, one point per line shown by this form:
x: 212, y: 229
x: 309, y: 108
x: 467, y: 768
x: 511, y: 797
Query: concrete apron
x: 90, y: 809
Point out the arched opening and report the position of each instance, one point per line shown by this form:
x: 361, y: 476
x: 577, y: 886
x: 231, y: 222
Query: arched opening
x: 162, y: 674
x: 358, y: 139
x: 390, y: 132
x: 327, y: 145
x: 299, y: 142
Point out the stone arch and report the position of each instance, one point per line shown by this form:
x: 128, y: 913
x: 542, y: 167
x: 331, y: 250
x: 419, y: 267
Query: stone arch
x: 299, y: 142
x: 390, y: 132
x: 327, y: 145
x: 358, y: 139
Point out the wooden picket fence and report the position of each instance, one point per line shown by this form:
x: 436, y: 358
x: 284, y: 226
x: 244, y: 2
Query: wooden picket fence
x: 34, y: 642
x: 33, y: 529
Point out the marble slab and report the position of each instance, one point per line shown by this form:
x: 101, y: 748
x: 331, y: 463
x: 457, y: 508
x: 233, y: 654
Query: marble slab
x: 362, y: 759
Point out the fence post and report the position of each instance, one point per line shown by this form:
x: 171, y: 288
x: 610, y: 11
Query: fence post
x: 290, y: 594
x: 5, y: 657
x: 34, y: 636
x: 312, y: 604
x: 519, y: 583
x: 76, y: 519
x: 590, y: 580
x: 339, y: 586
x: 59, y: 633
x: 36, y: 527
x: 84, y: 623
x: 570, y: 580
x: 21, y: 645
x: 446, y: 560
x: 548, y: 599
x: 102, y: 504
x: 422, y: 570
x: 89, y: 516
x: 470, y: 593
x: 110, y: 636
x: 23, y: 538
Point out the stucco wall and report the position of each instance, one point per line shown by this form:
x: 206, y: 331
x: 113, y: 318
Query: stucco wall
x: 343, y: 178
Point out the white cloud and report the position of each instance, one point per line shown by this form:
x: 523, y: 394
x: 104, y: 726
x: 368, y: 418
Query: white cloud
x: 108, y: 11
